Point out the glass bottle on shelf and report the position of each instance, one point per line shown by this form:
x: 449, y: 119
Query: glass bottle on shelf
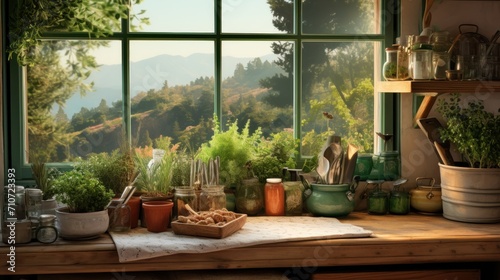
x: 390, y: 68
x: 421, y: 59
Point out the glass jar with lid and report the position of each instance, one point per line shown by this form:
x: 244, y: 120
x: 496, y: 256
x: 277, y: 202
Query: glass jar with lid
x: 399, y: 201
x: 390, y: 68
x: 184, y: 195
x: 212, y: 198
x: 46, y: 231
x: 274, y: 197
x: 378, y: 202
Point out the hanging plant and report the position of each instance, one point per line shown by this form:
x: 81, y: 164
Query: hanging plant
x: 29, y: 19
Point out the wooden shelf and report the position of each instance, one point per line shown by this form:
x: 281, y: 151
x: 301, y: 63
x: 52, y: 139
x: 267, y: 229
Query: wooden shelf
x: 435, y: 87
x: 431, y: 89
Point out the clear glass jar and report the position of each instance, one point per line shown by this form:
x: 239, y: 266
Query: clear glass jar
x: 33, y: 202
x: 212, y: 198
x: 440, y: 41
x: 274, y: 197
x: 119, y: 217
x: 390, y: 68
x: 46, y: 231
x: 249, y: 197
x: 184, y: 195
x: 440, y: 63
x: 421, y: 60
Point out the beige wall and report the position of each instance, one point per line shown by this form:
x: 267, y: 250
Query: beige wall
x: 418, y: 157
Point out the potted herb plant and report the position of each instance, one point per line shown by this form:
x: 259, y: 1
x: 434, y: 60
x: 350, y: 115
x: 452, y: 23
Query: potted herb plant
x: 154, y: 180
x: 44, y: 177
x: 86, y: 198
x: 470, y: 191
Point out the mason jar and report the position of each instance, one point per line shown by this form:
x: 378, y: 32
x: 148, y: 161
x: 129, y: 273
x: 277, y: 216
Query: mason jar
x: 249, y: 197
x: 212, y: 198
x: 184, y: 195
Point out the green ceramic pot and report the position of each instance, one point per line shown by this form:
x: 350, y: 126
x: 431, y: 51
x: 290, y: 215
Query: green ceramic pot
x: 330, y: 200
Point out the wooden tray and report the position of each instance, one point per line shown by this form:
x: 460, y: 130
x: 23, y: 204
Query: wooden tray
x: 210, y: 231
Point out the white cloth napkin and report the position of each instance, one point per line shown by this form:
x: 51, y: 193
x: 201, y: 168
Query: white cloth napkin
x: 139, y: 244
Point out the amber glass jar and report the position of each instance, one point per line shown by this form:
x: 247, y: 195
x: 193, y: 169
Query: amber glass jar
x: 274, y: 196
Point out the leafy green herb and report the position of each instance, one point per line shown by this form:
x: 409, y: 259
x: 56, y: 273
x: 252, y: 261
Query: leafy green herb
x: 81, y: 191
x: 473, y: 130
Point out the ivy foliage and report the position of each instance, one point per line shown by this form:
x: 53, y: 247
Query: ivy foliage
x: 472, y: 130
x: 29, y: 19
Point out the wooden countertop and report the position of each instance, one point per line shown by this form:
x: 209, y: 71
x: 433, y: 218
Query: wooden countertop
x: 407, y: 239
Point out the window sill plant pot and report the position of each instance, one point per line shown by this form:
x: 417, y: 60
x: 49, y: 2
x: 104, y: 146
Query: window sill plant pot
x: 81, y: 225
x: 157, y: 215
x: 471, y: 191
x: 84, y: 216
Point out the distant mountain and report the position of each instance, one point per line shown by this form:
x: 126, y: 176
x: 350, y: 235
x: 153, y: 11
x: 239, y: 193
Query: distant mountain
x: 150, y: 74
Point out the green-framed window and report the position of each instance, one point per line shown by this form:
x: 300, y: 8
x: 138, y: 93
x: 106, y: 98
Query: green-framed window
x: 281, y: 64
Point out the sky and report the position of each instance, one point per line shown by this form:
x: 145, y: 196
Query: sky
x: 243, y: 16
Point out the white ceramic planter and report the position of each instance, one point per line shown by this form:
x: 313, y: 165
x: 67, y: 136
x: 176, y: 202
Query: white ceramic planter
x: 81, y: 225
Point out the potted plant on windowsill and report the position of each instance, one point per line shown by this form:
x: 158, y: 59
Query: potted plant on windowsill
x: 471, y: 191
x: 84, y: 215
x: 44, y: 177
x: 154, y: 179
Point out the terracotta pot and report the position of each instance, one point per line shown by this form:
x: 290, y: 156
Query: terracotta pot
x: 135, y: 208
x: 157, y: 215
x: 144, y: 198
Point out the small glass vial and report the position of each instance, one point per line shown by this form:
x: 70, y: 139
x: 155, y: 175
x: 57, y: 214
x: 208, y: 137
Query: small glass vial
x: 119, y: 217
x: 274, y: 197
x: 46, y: 231
x: 184, y: 195
x: 212, y: 198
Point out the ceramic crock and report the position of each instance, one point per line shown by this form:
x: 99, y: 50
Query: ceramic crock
x: 426, y: 198
x: 330, y: 200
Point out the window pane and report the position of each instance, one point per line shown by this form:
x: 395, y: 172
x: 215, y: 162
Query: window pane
x: 340, y: 17
x: 175, y: 15
x: 256, y: 16
x: 337, y: 87
x: 67, y: 115
x: 255, y: 87
x: 172, y: 91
